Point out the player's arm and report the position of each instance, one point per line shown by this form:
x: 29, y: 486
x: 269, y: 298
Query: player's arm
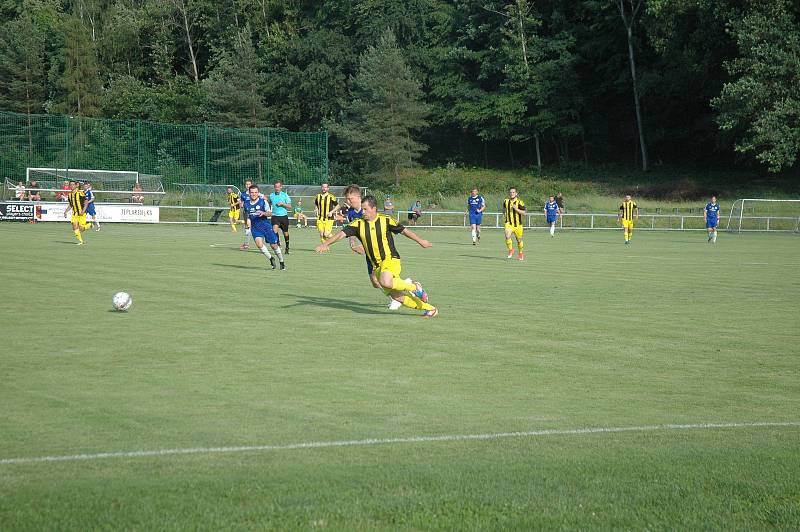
x: 482, y: 207
x: 520, y: 209
x: 66, y: 211
x: 331, y: 241
x: 636, y: 212
x: 415, y: 237
x: 705, y: 214
x: 619, y: 213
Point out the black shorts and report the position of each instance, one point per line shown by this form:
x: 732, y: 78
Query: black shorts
x: 413, y: 216
x: 282, y: 222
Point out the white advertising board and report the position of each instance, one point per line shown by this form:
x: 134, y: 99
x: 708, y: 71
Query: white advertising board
x: 106, y: 212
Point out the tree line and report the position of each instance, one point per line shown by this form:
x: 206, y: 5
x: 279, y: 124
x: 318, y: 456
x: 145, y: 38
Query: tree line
x: 396, y: 82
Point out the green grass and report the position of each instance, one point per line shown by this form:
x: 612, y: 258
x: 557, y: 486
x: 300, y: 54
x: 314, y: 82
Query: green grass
x: 217, y: 351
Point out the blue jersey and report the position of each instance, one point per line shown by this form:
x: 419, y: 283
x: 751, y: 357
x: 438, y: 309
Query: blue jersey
x: 551, y: 209
x: 475, y: 203
x: 253, y: 208
x: 353, y: 214
x: 712, y: 211
x: 283, y: 197
x: 89, y: 203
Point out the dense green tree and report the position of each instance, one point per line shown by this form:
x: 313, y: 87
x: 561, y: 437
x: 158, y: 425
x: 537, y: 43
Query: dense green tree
x: 385, y: 110
x: 79, y: 78
x: 762, y: 102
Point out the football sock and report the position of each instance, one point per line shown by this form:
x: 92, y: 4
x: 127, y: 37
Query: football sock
x: 78, y: 235
x: 474, y: 235
x: 417, y: 303
x: 552, y: 229
x: 286, y: 240
x: 403, y: 286
x: 627, y: 237
x: 509, y: 245
x: 247, y: 235
x: 265, y: 251
x: 278, y: 253
x: 714, y: 239
x: 520, y: 245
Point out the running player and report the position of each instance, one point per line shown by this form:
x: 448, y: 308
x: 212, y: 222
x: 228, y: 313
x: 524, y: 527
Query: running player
x: 628, y: 212
x: 281, y: 203
x: 475, y: 207
x: 77, y: 204
x: 514, y: 210
x: 324, y: 205
x: 234, y: 206
x: 375, y: 233
x: 90, y: 209
x: 552, y: 210
x: 352, y: 195
x: 244, y: 197
x: 258, y: 213
x: 711, y: 216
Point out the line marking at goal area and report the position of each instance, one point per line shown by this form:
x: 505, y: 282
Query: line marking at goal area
x: 389, y: 441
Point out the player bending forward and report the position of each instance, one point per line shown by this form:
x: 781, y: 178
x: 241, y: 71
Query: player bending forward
x: 375, y: 233
x: 255, y: 206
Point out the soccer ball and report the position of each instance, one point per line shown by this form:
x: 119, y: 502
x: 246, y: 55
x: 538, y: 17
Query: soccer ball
x: 122, y: 301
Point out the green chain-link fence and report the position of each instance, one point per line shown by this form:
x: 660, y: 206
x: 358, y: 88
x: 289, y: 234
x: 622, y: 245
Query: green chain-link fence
x: 198, y: 153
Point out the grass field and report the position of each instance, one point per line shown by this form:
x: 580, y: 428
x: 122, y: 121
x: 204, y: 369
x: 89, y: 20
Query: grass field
x: 406, y: 419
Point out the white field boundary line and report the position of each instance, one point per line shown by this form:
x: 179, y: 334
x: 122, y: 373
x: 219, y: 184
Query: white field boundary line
x: 389, y: 441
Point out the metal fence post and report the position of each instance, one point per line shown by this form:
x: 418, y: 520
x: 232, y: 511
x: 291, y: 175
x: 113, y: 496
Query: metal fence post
x: 205, y: 154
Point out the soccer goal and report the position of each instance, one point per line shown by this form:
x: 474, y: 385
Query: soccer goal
x: 760, y: 214
x: 108, y: 182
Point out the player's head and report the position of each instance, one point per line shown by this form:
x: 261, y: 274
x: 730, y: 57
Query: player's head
x: 87, y: 185
x: 325, y: 187
x: 247, y: 184
x: 278, y: 187
x: 253, y: 191
x: 713, y: 199
x: 230, y: 190
x: 512, y: 192
x: 627, y: 197
x: 370, y: 206
x: 352, y: 194
x: 552, y: 199
x: 73, y: 185
x: 474, y: 191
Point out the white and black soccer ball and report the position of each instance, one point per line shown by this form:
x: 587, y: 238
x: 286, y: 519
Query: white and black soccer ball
x: 122, y: 301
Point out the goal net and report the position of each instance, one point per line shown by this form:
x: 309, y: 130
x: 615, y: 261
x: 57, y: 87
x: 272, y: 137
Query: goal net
x: 760, y: 214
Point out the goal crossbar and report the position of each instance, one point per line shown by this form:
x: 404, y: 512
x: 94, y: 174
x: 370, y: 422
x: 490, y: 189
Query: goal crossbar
x: 736, y: 217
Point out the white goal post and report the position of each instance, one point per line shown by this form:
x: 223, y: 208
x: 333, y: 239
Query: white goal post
x: 108, y: 182
x: 765, y: 215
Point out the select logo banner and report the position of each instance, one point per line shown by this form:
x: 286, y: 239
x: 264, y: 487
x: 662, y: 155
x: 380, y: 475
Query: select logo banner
x: 17, y: 212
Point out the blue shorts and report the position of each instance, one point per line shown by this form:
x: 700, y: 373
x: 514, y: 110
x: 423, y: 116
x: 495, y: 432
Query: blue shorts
x: 90, y: 210
x: 711, y: 224
x: 266, y: 233
x: 551, y: 219
x: 475, y: 219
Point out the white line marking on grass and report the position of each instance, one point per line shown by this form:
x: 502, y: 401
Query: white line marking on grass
x: 387, y: 441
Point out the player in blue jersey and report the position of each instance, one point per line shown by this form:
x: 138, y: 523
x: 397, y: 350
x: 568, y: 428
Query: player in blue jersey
x: 90, y: 209
x: 552, y: 210
x: 475, y: 207
x: 245, y: 196
x: 257, y: 211
x: 711, y: 216
x: 280, y: 203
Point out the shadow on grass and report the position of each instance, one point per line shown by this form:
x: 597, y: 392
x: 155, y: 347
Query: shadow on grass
x: 331, y: 302
x: 484, y: 257
x: 241, y: 267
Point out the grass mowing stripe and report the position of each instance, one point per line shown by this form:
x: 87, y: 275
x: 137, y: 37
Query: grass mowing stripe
x: 408, y: 439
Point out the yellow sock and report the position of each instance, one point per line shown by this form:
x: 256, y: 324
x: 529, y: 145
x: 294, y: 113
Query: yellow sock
x: 627, y: 237
x: 508, y: 245
x: 409, y: 302
x: 417, y: 303
x: 402, y: 286
x: 630, y: 235
x: 520, y: 245
x: 233, y: 227
x: 78, y: 235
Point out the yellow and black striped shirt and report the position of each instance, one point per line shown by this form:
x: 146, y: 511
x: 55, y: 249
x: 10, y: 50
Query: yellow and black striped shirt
x: 324, y: 204
x: 376, y: 237
x: 233, y: 200
x: 627, y: 208
x: 77, y: 200
x: 512, y: 217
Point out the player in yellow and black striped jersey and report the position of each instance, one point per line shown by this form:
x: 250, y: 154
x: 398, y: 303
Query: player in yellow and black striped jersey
x: 234, y: 204
x: 77, y: 205
x: 514, y: 214
x: 375, y: 231
x: 628, y: 212
x: 324, y: 204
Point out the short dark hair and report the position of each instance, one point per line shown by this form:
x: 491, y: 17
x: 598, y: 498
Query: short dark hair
x: 352, y: 189
x: 370, y: 200
x: 251, y: 187
x: 278, y: 181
